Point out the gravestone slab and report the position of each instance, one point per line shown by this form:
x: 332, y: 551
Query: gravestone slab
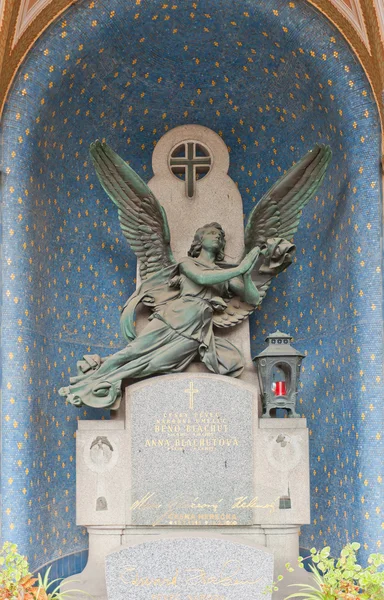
x: 192, y: 453
x: 189, y: 569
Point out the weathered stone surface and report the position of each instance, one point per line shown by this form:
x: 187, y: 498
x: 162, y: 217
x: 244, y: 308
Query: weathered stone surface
x: 191, y: 450
x: 101, y: 466
x: 267, y: 471
x: 217, y: 198
x: 193, y: 568
x: 164, y: 463
x: 282, y: 472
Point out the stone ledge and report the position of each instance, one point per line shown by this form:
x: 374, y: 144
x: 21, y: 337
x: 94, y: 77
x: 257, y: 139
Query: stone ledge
x: 282, y: 423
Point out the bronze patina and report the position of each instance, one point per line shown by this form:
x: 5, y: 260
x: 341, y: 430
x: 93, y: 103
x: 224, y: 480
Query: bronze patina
x: 188, y: 298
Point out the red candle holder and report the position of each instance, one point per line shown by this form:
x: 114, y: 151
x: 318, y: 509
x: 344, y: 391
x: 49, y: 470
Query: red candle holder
x: 280, y: 389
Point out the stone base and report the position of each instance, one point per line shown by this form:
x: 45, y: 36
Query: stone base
x: 283, y: 541
x: 91, y: 581
x: 176, y: 475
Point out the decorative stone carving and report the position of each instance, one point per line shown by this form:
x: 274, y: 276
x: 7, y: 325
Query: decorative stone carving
x: 191, y: 296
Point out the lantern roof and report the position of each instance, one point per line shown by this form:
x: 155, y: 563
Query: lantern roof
x: 278, y: 335
x: 279, y: 345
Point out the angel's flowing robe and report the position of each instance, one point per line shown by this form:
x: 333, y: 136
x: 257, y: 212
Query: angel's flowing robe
x: 179, y: 330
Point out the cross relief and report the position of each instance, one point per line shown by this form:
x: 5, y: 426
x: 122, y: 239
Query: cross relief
x: 190, y: 161
x: 191, y: 391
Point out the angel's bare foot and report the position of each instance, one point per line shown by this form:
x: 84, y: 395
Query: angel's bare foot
x: 64, y: 391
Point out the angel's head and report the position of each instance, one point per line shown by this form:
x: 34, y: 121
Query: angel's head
x: 211, y: 237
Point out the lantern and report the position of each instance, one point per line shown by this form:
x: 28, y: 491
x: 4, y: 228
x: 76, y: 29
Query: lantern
x: 278, y: 368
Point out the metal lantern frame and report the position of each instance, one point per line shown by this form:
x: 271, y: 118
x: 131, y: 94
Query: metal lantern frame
x: 279, y: 353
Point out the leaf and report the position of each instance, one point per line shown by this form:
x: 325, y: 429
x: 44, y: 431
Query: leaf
x: 28, y: 581
x: 325, y: 552
x: 355, y: 545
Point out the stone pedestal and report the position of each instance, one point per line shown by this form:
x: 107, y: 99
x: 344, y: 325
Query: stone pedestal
x: 187, y: 454
x: 102, y: 541
x: 189, y: 567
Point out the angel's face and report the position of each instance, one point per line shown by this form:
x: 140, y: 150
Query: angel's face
x: 211, y: 239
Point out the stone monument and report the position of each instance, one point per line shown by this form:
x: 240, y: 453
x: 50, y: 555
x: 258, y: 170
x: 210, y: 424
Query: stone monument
x: 194, y: 568
x: 186, y: 467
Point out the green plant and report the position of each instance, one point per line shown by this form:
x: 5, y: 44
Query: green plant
x: 55, y: 593
x: 274, y: 586
x: 17, y: 583
x: 14, y: 569
x: 342, y: 578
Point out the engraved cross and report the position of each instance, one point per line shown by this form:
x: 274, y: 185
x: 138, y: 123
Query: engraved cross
x: 191, y: 391
x: 192, y: 160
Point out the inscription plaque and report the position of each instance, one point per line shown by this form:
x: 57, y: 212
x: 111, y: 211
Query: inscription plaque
x: 189, y: 569
x: 192, y: 452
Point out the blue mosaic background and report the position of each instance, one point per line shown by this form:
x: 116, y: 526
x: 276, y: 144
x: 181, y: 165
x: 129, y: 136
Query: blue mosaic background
x: 273, y: 78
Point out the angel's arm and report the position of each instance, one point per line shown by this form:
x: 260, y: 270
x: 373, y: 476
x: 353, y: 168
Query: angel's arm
x: 215, y: 276
x: 207, y: 276
x: 245, y: 288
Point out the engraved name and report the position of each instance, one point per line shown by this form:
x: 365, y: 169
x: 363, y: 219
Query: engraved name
x: 187, y: 597
x: 175, y: 505
x: 191, y: 443
x: 191, y: 428
x: 229, y: 575
x: 195, y: 431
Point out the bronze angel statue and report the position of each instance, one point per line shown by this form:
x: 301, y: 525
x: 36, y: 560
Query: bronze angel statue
x: 190, y: 297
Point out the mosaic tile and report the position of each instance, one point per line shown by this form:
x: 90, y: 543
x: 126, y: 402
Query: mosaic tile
x: 273, y: 78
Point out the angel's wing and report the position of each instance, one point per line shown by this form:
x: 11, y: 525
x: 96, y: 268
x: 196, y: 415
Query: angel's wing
x: 142, y: 219
x: 273, y: 222
x: 279, y: 255
x: 236, y: 311
x: 278, y: 213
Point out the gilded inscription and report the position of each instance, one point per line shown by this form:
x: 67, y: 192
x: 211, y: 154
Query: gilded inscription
x: 187, y: 597
x: 230, y: 575
x: 177, y: 494
x: 241, y: 503
x: 203, y: 431
x: 244, y: 503
x: 191, y: 391
x: 181, y: 511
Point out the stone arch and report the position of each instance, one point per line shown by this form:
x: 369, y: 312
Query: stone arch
x: 272, y: 85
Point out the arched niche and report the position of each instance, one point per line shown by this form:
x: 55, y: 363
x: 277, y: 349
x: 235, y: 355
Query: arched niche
x: 273, y: 81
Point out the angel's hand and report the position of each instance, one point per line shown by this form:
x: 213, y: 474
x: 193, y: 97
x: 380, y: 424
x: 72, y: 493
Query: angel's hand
x: 248, y: 263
